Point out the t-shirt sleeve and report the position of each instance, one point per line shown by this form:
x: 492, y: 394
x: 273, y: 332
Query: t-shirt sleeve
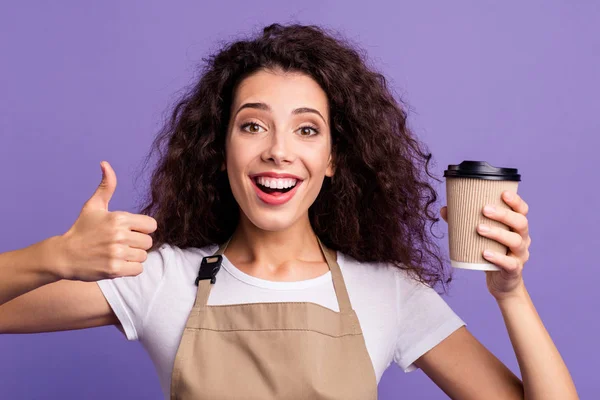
x: 131, y: 297
x: 425, y: 319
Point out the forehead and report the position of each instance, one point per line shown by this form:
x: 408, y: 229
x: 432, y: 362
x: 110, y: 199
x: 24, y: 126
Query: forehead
x: 281, y: 90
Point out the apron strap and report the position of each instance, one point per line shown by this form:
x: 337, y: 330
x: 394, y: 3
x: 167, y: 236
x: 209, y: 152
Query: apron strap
x: 222, y: 248
x: 204, y: 285
x: 338, y: 281
x: 341, y: 292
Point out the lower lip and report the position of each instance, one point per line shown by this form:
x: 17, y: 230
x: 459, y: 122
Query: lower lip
x: 275, y: 199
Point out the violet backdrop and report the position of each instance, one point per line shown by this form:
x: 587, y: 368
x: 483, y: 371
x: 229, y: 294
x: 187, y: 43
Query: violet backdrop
x: 513, y: 83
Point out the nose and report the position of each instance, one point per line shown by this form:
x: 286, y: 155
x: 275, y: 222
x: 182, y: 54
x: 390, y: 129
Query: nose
x: 279, y: 148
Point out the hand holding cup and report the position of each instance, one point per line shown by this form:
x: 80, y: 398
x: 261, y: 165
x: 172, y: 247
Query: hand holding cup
x: 502, y: 249
x: 103, y: 244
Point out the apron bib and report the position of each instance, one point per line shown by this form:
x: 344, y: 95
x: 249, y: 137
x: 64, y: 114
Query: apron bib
x: 263, y: 351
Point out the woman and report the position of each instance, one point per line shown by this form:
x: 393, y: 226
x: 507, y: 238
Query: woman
x: 290, y: 178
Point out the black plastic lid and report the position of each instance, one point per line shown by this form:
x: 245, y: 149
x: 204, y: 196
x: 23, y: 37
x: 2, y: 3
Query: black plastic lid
x: 481, y: 170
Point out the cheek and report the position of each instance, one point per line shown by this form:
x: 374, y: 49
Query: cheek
x: 238, y: 161
x: 318, y: 162
x: 235, y: 156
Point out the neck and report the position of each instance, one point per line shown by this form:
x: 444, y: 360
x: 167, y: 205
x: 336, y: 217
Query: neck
x: 250, y: 244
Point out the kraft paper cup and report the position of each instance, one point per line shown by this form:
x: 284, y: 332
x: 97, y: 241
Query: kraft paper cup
x: 469, y: 187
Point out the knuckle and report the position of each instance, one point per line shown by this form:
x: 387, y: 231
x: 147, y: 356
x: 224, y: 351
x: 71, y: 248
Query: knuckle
x: 116, y: 252
x: 516, y: 264
x: 119, y: 217
x: 518, y: 242
x: 119, y: 236
x: 114, y: 268
x: 522, y: 223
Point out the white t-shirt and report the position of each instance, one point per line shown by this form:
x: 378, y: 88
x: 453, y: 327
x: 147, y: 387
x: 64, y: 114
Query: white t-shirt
x: 400, y: 318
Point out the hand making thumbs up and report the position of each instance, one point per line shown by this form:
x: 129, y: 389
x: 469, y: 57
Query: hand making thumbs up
x: 102, y: 244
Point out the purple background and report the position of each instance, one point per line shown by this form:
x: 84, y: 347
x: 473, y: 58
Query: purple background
x: 514, y: 84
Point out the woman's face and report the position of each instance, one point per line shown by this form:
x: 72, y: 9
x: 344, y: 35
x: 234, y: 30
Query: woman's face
x: 279, y: 127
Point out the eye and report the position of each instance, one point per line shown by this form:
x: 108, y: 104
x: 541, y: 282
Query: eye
x: 302, y: 129
x: 305, y: 127
x: 249, y: 124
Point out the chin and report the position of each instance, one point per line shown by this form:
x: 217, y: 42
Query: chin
x: 271, y: 223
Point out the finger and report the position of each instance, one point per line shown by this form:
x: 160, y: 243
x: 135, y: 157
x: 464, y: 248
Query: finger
x: 515, y: 202
x: 138, y: 240
x: 512, y: 240
x: 444, y: 213
x: 509, y: 264
x: 135, y: 255
x: 515, y: 221
x: 131, y: 268
x: 105, y: 190
x: 141, y: 223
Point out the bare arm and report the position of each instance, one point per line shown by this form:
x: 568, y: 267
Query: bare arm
x: 51, y: 285
x: 545, y: 375
x: 464, y: 369
x: 34, y: 298
x: 29, y: 268
x: 58, y: 306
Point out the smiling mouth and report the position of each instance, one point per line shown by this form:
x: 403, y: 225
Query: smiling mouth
x: 276, y: 195
x: 270, y: 190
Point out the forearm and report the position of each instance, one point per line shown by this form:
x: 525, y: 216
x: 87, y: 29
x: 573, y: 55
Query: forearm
x: 26, y: 269
x: 544, y: 373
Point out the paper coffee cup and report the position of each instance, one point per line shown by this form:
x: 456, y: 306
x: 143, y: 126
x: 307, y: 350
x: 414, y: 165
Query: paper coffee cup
x: 469, y: 187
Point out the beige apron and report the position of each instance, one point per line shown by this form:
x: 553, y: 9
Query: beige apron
x: 285, y: 350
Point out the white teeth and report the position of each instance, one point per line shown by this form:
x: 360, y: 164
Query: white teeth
x: 276, y: 183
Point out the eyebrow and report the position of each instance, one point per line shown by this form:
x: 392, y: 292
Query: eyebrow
x: 266, y: 107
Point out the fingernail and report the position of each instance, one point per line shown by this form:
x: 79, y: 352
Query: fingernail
x: 484, y: 228
x: 489, y: 209
x: 488, y: 253
x: 508, y: 196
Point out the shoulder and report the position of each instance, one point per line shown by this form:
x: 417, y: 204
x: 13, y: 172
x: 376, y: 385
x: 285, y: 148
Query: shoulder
x: 370, y: 268
x: 379, y: 271
x: 384, y: 286
x: 172, y: 254
x: 172, y: 263
x: 366, y: 271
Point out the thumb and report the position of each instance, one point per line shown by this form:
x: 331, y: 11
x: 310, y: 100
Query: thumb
x: 105, y: 190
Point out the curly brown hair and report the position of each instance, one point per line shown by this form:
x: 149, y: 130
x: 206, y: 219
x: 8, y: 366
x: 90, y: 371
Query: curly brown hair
x: 376, y: 207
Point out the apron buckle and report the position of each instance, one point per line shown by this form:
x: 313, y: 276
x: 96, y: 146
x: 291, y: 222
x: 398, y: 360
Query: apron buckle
x: 209, y: 268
